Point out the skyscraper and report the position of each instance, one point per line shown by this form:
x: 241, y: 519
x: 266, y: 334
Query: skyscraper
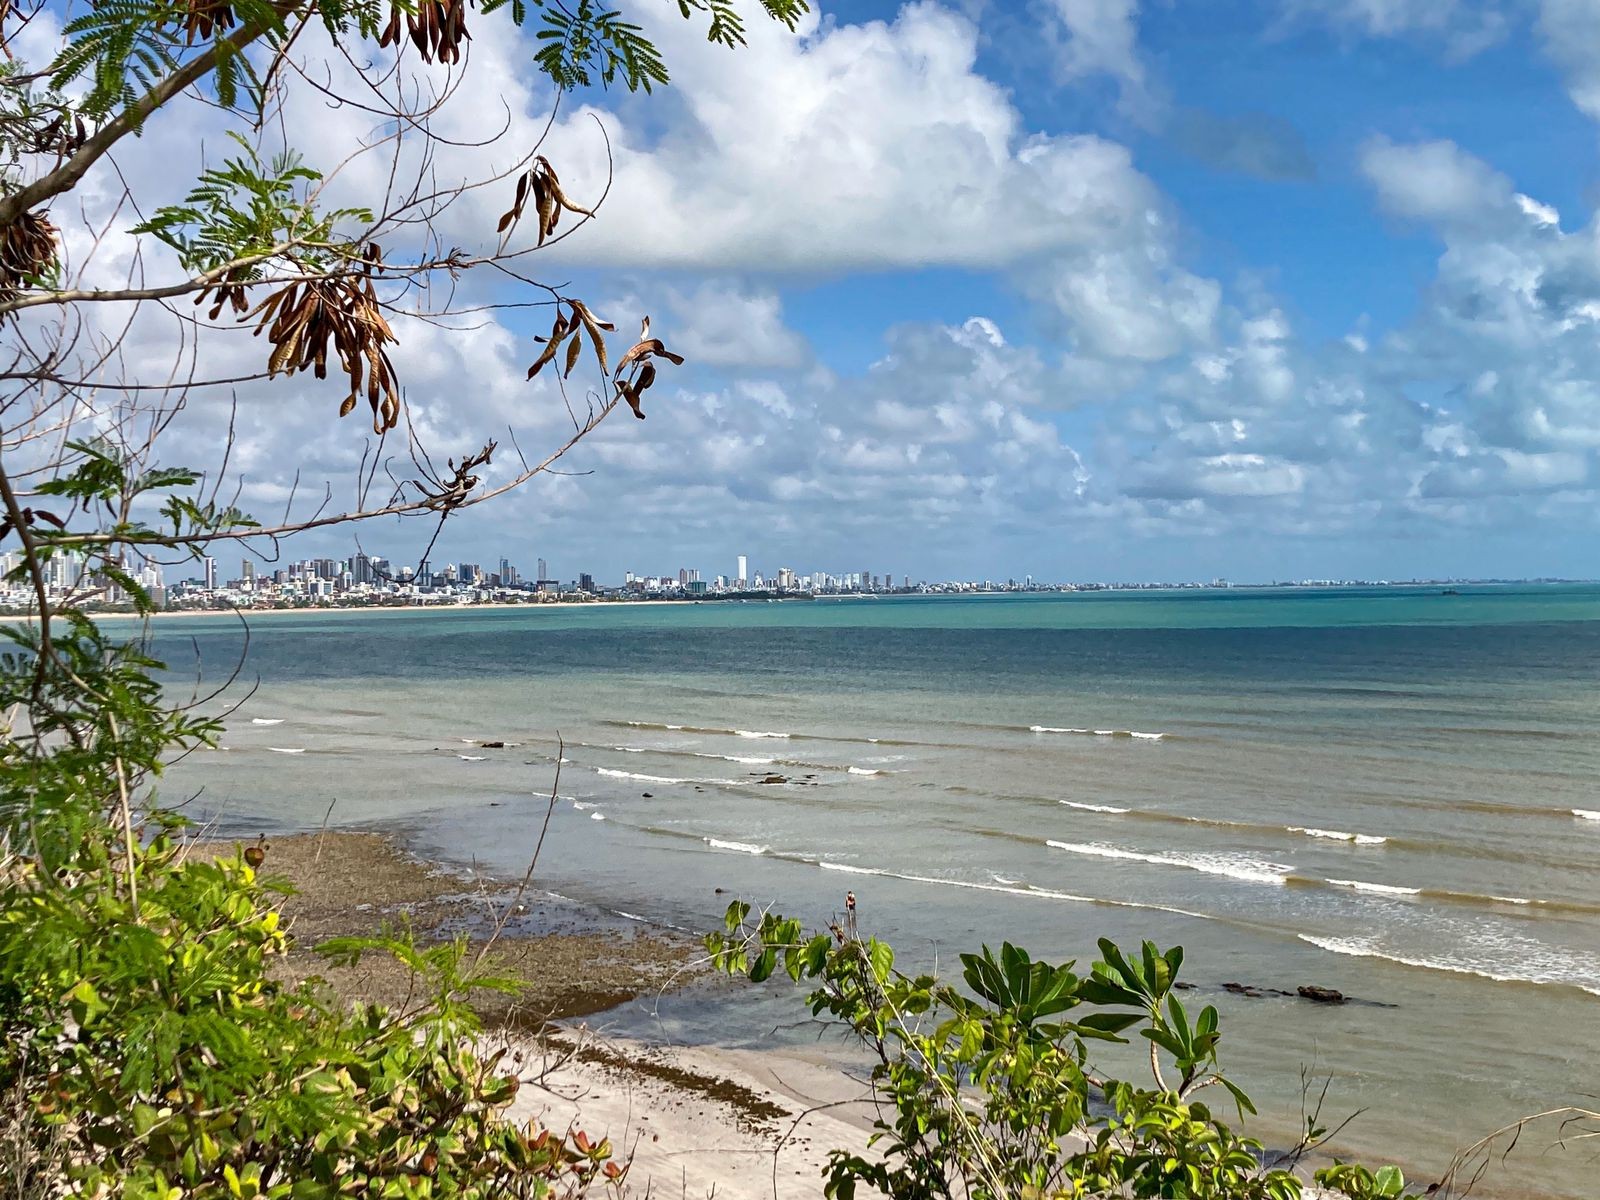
x: 247, y: 572
x: 544, y: 570
x: 211, y: 573
x: 744, y: 570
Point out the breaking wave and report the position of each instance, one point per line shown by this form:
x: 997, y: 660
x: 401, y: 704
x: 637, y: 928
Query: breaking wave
x: 287, y: 749
x: 741, y: 847
x: 1111, y: 733
x: 1586, y: 814
x: 1366, y: 948
x: 1383, y: 889
x: 866, y: 771
x: 1247, y: 870
x: 1099, y: 808
x: 266, y: 720
x: 1337, y: 835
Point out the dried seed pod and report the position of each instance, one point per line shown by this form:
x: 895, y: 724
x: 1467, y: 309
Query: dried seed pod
x: 27, y: 248
x: 437, y: 28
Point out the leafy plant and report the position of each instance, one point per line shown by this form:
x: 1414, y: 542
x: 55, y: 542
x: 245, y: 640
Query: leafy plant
x: 991, y: 1089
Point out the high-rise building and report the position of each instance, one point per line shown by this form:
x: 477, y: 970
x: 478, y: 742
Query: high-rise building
x: 361, y: 568
x: 585, y: 582
x: 211, y: 573
x: 247, y: 573
x: 544, y: 570
x: 744, y: 571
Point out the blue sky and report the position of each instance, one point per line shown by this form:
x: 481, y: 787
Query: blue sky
x: 1087, y: 289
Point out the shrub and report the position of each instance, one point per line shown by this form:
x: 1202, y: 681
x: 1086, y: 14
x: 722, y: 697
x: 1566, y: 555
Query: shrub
x: 991, y: 1089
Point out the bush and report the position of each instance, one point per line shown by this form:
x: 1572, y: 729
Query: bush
x: 144, y: 1052
x: 992, y: 1092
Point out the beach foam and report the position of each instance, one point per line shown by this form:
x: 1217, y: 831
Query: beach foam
x: 866, y: 771
x: 287, y: 749
x: 1366, y: 948
x: 1586, y: 814
x: 1111, y: 733
x: 1384, y: 889
x: 1247, y: 870
x: 758, y: 733
x: 1338, y: 835
x: 1099, y: 808
x: 266, y: 720
x: 741, y: 847
x: 477, y: 757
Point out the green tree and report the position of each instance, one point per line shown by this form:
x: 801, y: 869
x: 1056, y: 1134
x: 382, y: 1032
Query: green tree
x: 144, y: 1050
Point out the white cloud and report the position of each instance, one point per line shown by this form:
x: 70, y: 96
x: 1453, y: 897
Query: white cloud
x: 1571, y: 33
x: 1101, y: 37
x: 1465, y: 27
x: 727, y: 324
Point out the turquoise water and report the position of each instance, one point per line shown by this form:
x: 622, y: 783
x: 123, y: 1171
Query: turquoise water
x: 1387, y: 791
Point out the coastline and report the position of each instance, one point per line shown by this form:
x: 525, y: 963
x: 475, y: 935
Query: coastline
x: 742, y: 1124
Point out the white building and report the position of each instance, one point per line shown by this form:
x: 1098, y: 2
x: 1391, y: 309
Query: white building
x: 744, y: 571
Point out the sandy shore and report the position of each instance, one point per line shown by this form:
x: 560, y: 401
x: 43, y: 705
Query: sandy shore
x: 700, y: 1122
x: 693, y: 1122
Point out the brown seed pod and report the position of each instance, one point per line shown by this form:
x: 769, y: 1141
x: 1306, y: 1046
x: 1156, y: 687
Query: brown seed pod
x: 27, y: 248
x: 437, y: 28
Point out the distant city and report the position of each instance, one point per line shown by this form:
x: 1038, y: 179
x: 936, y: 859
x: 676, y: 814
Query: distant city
x: 364, y: 581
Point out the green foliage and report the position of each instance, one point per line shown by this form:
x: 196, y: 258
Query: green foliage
x: 147, y: 1049
x: 991, y: 1090
x: 247, y: 209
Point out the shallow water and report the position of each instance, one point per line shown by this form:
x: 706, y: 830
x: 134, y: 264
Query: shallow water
x: 1388, y: 791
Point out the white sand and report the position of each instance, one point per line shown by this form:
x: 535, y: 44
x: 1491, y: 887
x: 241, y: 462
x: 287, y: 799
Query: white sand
x: 688, y: 1144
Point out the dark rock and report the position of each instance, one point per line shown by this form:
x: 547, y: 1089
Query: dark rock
x: 719, y: 891
x: 493, y: 745
x: 647, y: 795
x: 773, y: 779
x: 1321, y: 995
x: 1242, y: 989
x: 1184, y: 987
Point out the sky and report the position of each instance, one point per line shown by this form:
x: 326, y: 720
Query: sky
x: 1081, y: 289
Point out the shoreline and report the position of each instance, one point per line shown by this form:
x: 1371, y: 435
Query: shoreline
x: 740, y: 1123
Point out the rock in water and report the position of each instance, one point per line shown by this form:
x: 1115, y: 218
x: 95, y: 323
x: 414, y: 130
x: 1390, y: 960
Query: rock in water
x: 1321, y: 995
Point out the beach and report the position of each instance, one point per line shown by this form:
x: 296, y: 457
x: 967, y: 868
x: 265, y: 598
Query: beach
x: 1380, y: 792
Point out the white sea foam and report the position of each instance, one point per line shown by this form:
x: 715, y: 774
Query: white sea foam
x: 866, y: 771
x: 741, y: 847
x: 266, y: 720
x: 1365, y: 948
x: 751, y: 760
x: 597, y: 816
x: 581, y: 806
x: 1383, y: 889
x: 1111, y: 733
x: 1099, y: 808
x: 1006, y: 888
x: 1586, y: 814
x: 1338, y: 835
x: 635, y: 775
x: 1248, y: 870
x: 473, y: 757
x: 287, y: 749
x: 758, y: 733
x: 1001, y: 879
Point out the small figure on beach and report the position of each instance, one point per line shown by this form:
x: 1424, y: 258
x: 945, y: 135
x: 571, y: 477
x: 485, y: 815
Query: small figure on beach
x: 850, y: 913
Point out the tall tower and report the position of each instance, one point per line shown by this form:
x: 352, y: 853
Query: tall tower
x: 211, y: 573
x: 744, y: 570
x: 544, y: 570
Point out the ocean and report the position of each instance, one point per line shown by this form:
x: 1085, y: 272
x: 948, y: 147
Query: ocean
x: 1389, y: 791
